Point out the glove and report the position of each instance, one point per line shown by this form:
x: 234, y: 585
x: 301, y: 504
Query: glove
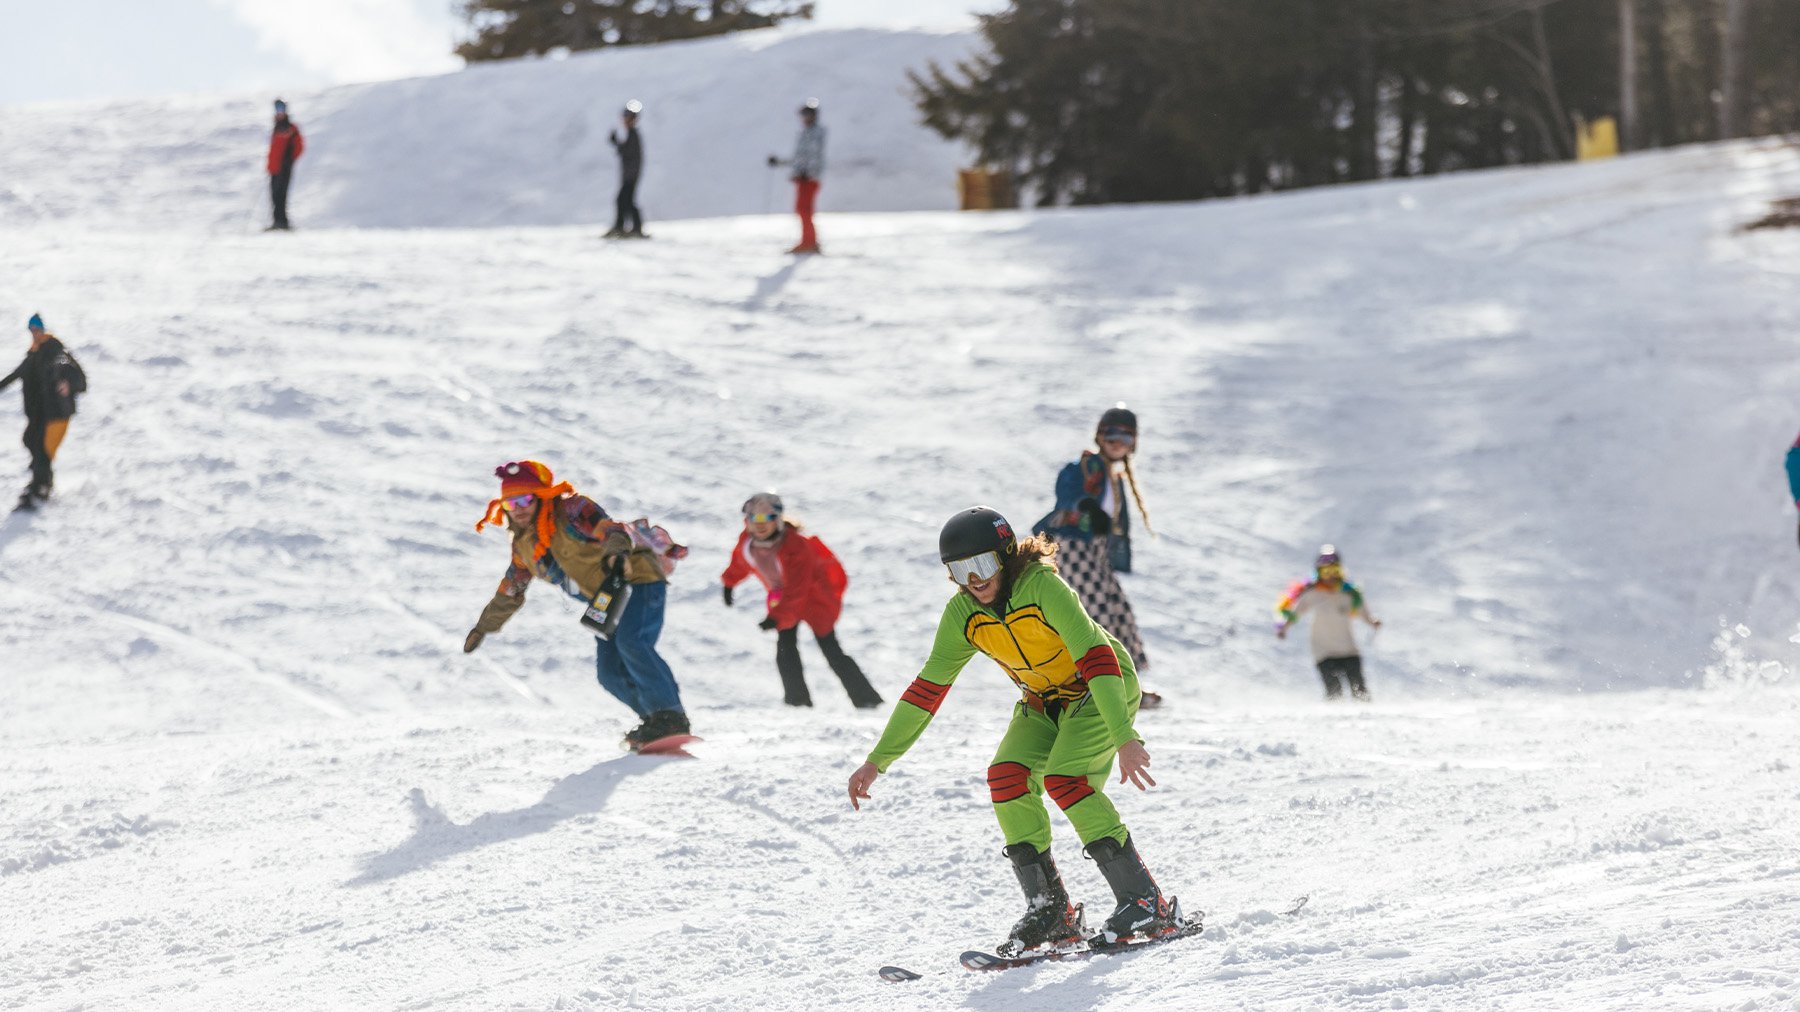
x: 474, y: 640
x: 767, y: 623
x: 1093, y: 519
x: 774, y: 161
x: 1281, y: 630
x: 727, y: 591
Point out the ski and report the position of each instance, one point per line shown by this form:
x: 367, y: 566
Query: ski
x: 897, y: 974
x: 975, y: 959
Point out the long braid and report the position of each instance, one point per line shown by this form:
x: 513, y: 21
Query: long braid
x: 1131, y: 478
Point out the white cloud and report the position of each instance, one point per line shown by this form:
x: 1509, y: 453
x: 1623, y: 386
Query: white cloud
x: 351, y: 40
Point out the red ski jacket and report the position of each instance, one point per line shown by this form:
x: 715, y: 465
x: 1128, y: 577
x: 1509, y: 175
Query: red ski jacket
x: 812, y: 580
x: 285, y: 146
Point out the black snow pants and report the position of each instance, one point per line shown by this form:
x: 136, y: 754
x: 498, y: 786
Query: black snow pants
x: 1350, y: 668
x: 626, y: 217
x: 278, y: 191
x: 793, y: 681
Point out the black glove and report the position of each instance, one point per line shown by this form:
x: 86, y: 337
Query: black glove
x: 767, y: 623
x: 474, y: 640
x: 613, y: 135
x: 727, y: 590
x: 774, y: 161
x: 1093, y: 519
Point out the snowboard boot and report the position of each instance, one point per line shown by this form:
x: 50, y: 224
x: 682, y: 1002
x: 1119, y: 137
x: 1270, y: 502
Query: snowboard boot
x: 1050, y: 919
x: 664, y: 723
x: 639, y: 734
x: 1142, y: 912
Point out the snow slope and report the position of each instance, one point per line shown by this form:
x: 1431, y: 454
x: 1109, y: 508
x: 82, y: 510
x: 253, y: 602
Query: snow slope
x: 521, y: 142
x: 1542, y: 413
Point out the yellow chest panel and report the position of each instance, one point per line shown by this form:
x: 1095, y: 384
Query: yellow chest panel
x: 1029, y: 650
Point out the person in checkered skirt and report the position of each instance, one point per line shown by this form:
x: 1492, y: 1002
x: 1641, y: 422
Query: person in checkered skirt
x: 1092, y: 528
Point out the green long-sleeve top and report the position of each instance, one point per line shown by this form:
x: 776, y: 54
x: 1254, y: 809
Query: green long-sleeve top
x: 1046, y: 644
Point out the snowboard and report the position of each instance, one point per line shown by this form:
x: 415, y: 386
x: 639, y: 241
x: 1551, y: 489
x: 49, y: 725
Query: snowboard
x: 674, y: 744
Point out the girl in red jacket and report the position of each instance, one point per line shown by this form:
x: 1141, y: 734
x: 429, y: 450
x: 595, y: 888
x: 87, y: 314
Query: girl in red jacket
x: 805, y: 583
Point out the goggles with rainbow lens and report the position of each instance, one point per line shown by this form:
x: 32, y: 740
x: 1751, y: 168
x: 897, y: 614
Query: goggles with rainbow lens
x: 521, y: 502
x: 1331, y: 571
x: 762, y: 518
x: 976, y: 567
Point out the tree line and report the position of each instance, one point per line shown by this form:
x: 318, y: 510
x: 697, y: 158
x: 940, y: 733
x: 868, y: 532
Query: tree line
x: 503, y: 29
x: 1092, y: 101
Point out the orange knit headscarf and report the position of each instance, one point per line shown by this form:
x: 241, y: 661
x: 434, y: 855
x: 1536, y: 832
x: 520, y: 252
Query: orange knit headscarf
x: 528, y: 477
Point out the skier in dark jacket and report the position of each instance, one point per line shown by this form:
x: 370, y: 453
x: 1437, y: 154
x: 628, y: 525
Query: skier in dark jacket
x: 628, y: 223
x: 50, y: 381
x: 285, y: 147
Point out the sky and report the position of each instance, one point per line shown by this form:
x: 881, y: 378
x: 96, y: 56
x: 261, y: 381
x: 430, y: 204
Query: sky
x: 100, y: 49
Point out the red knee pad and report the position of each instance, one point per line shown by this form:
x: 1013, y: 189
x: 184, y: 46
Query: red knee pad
x: 1008, y: 781
x: 1066, y: 791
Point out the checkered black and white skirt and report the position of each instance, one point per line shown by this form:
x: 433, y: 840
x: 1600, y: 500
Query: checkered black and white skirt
x: 1084, y: 564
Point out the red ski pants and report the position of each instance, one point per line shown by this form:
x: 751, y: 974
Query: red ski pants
x: 806, y: 196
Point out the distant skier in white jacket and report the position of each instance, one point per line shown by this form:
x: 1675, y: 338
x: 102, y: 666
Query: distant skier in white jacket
x: 1333, y: 602
x: 806, y: 168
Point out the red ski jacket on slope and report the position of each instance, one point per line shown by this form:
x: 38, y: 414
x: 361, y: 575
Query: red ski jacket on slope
x: 812, y: 581
x: 285, y: 146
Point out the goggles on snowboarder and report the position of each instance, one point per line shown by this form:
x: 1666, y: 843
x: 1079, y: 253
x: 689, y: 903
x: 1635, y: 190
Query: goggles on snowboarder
x: 1125, y: 436
x: 1331, y: 571
x: 762, y: 518
x: 976, y: 567
x: 521, y: 502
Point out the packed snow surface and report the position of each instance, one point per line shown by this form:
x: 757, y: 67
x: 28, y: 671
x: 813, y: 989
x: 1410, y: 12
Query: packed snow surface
x: 1540, y: 412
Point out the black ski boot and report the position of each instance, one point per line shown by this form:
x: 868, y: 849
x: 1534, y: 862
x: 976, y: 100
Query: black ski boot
x: 1050, y: 919
x: 1143, y: 912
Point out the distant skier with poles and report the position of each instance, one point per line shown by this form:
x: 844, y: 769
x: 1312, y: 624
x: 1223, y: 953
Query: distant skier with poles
x: 807, y: 167
x: 49, y: 380
x: 1333, y: 602
x: 628, y: 223
x: 285, y: 146
x: 1793, y: 471
x: 1079, y: 696
x: 804, y: 582
x: 568, y: 540
x: 1092, y: 529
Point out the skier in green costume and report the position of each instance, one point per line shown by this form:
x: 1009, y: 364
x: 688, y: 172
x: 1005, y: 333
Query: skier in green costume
x: 1079, y: 697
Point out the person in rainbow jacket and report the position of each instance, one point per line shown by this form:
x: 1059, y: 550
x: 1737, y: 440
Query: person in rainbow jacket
x: 568, y: 541
x: 1333, y: 602
x: 1079, y: 696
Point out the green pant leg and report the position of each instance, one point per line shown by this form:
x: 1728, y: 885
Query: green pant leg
x: 1078, y: 767
x: 1016, y: 778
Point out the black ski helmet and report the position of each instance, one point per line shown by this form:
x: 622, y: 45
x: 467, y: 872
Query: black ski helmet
x: 973, y: 531
x: 1117, y: 417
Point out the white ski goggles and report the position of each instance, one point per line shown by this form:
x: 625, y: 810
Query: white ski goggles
x: 976, y: 567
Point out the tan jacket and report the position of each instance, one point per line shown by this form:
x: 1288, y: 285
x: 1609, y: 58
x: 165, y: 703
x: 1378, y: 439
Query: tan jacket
x: 582, y: 545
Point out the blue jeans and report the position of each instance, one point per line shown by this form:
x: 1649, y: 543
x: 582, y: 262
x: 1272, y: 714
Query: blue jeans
x: 628, y: 665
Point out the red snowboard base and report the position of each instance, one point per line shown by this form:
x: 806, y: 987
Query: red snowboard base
x: 674, y: 744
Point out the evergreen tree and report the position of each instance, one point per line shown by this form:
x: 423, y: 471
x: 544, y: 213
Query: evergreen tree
x: 1119, y: 100
x: 503, y: 29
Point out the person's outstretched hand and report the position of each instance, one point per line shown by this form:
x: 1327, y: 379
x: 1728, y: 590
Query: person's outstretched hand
x: 859, y: 784
x: 1134, y: 765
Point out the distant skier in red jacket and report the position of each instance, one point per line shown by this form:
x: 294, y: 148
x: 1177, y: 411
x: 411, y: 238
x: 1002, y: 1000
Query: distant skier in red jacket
x: 285, y: 146
x: 805, y: 583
